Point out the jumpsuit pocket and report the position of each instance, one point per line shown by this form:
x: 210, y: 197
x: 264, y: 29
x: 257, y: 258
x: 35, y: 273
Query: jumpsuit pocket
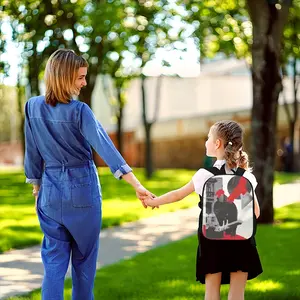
x: 44, y: 200
x: 81, y: 195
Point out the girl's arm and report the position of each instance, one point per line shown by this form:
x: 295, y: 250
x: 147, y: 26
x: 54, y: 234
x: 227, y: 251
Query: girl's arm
x: 172, y: 196
x: 256, y: 207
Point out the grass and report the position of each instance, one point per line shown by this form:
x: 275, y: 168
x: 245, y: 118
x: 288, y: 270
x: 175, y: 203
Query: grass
x: 168, y: 272
x: 282, y: 178
x: 19, y: 225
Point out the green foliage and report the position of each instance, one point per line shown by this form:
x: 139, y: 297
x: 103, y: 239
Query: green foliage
x: 225, y: 27
x: 4, y: 67
x: 104, y: 32
x: 291, y: 45
x: 168, y: 272
x: 221, y: 26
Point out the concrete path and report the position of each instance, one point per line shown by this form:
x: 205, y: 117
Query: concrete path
x: 22, y: 271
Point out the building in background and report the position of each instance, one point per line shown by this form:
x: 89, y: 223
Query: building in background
x: 187, y: 109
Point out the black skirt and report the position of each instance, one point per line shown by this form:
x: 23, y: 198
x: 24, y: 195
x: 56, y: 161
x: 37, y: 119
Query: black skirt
x: 214, y: 256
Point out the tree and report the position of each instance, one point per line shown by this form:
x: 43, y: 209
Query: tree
x: 116, y: 94
x: 290, y: 58
x: 94, y: 29
x: 152, y: 20
x: 88, y: 27
x: 37, y: 42
x: 21, y: 102
x: 252, y: 30
x: 4, y: 66
x: 268, y: 20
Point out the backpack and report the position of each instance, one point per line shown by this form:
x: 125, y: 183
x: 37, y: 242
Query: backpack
x: 228, y: 206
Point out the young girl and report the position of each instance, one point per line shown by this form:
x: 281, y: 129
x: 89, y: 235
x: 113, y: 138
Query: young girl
x: 221, y: 262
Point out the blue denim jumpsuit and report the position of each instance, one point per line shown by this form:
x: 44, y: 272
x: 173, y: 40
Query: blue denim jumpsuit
x: 58, y: 157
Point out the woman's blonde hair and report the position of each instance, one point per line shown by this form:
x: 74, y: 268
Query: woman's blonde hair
x: 60, y: 75
x: 231, y: 133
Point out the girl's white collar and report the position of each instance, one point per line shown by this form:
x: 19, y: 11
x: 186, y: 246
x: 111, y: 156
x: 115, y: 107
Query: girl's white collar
x: 219, y: 162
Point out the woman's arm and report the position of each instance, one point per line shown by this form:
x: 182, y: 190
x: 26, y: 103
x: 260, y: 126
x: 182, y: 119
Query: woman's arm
x: 132, y: 180
x: 98, y: 138
x: 33, y: 162
x: 172, y: 196
x: 35, y: 193
x: 36, y: 189
x: 141, y: 192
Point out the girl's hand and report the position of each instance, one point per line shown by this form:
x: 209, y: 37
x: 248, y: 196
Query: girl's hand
x: 142, y: 194
x: 150, y: 202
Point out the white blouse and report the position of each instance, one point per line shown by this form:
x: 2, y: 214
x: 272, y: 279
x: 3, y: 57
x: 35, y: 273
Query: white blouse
x: 202, y: 175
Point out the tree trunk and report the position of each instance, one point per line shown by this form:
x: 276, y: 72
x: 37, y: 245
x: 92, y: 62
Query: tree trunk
x: 268, y: 23
x: 295, y: 115
x: 148, y: 149
x: 21, y: 115
x: 93, y: 71
x: 86, y: 93
x: 33, y: 74
x: 147, y: 127
x: 120, y: 120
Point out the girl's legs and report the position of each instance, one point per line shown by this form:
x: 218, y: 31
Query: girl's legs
x: 212, y: 286
x: 237, y: 285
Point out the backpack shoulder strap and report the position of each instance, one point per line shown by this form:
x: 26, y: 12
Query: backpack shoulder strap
x: 239, y: 171
x: 222, y: 170
x: 216, y: 171
x: 212, y: 170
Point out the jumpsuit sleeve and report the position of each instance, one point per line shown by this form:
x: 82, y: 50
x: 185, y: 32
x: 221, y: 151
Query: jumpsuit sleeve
x: 33, y: 162
x: 97, y: 137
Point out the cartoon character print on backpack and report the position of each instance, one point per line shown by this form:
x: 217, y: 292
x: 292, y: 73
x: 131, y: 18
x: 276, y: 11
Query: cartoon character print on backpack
x: 228, y: 208
x: 227, y: 213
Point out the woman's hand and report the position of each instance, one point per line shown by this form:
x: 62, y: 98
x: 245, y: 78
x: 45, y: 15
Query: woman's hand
x: 143, y: 194
x: 149, y: 201
x: 35, y: 193
x: 36, y: 203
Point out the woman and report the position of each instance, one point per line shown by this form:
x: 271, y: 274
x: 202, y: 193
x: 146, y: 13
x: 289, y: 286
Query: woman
x: 60, y: 134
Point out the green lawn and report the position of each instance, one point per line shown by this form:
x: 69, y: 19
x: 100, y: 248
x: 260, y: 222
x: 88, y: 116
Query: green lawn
x: 19, y: 225
x: 282, y: 178
x: 168, y: 272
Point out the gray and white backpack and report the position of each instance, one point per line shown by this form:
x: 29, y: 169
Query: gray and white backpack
x: 228, y: 206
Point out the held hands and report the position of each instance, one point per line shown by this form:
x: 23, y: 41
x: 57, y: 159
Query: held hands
x: 144, y: 194
x: 149, y: 202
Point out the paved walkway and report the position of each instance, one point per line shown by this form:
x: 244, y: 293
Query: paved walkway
x: 21, y: 270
